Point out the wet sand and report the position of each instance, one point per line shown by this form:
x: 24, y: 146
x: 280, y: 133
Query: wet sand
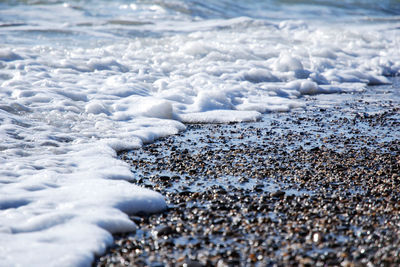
x: 316, y: 186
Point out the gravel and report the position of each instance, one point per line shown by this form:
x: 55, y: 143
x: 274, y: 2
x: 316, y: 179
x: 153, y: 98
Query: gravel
x: 317, y: 186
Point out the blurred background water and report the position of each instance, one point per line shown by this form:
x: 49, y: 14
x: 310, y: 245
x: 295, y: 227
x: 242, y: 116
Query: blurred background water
x: 67, y: 22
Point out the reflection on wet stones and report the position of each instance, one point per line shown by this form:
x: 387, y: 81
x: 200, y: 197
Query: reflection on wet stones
x: 257, y: 195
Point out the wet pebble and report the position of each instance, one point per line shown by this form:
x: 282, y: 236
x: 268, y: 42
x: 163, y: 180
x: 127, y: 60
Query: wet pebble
x: 287, y: 191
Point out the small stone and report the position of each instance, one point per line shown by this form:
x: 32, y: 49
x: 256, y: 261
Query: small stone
x: 164, y: 230
x: 278, y: 194
x: 192, y: 263
x: 317, y: 237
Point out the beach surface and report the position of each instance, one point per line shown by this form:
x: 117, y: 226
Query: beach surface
x: 283, y: 116
x: 315, y: 186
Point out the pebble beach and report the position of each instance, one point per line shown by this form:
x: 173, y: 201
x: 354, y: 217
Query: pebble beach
x: 318, y: 186
x: 199, y: 133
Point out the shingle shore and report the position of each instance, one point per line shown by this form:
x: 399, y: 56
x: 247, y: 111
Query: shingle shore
x: 313, y: 187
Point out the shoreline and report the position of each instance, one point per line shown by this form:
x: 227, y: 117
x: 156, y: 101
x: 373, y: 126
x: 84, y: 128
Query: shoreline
x: 309, y: 187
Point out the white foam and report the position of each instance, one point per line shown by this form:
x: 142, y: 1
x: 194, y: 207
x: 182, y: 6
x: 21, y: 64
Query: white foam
x: 220, y: 116
x: 76, y: 94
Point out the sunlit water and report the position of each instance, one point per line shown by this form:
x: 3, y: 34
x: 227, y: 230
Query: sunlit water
x: 80, y: 80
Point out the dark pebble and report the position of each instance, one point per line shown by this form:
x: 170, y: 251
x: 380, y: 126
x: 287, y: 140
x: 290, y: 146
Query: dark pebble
x: 313, y: 187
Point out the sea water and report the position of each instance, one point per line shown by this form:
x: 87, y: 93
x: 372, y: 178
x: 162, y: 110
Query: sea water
x: 81, y: 80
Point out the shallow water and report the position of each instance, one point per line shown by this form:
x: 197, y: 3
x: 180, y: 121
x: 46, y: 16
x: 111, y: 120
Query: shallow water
x: 319, y: 125
x: 80, y: 80
x: 221, y: 177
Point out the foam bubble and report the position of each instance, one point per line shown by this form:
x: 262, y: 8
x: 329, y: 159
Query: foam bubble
x: 220, y: 116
